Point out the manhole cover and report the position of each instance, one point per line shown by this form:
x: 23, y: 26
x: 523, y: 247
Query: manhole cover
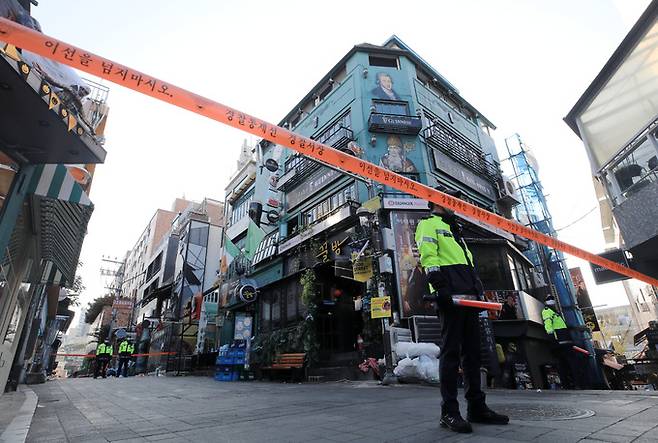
x: 536, y: 412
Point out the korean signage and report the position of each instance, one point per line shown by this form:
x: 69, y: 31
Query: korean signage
x: 380, y: 307
x: 362, y: 268
x: 318, y: 180
x: 603, y: 275
x: 584, y: 302
x: 333, y: 248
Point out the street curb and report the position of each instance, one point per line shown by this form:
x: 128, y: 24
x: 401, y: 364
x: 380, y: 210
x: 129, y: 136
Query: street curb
x: 20, y: 425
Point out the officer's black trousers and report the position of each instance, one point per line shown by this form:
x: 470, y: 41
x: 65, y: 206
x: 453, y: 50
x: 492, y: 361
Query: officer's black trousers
x: 460, y: 329
x: 123, y: 365
x: 101, y: 365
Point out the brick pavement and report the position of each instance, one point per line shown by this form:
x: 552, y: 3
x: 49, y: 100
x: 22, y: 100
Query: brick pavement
x: 199, y: 409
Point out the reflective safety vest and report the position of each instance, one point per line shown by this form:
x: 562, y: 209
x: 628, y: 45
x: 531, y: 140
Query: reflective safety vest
x: 131, y: 349
x: 552, y: 321
x: 437, y: 244
x: 124, y: 347
x: 104, y: 349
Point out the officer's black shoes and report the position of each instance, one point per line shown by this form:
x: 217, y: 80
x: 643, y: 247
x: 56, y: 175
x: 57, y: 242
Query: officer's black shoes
x: 455, y: 422
x: 487, y: 416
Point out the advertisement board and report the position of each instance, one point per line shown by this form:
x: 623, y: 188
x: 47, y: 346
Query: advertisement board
x: 380, y: 307
x: 410, y: 277
x: 603, y: 275
x: 584, y: 302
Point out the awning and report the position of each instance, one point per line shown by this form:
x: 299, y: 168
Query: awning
x: 60, y: 212
x: 55, y: 181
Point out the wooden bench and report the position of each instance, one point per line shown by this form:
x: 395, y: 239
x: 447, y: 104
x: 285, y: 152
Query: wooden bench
x: 287, y: 362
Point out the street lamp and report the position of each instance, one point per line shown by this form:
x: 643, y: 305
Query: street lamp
x: 368, y: 221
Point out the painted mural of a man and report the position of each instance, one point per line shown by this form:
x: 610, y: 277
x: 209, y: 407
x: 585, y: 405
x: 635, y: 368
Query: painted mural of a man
x: 384, y: 89
x: 395, y: 159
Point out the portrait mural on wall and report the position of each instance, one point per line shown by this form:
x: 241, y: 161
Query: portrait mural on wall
x: 396, y: 156
x: 384, y: 89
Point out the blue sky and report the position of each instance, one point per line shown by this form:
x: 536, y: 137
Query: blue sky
x: 522, y: 63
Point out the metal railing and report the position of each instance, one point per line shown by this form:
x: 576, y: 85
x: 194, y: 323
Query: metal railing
x: 461, y: 149
x: 304, y: 166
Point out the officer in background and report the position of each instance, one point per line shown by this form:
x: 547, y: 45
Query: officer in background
x: 449, y: 267
x: 555, y: 326
x: 125, y: 351
x: 103, y: 356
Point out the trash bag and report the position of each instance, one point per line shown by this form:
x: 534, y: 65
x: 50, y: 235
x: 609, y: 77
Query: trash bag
x: 428, y: 368
x: 411, y: 349
x: 406, y: 369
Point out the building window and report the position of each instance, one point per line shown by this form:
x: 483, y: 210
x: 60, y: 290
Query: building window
x: 637, y: 169
x: 331, y: 133
x: 383, y: 61
x: 241, y: 207
x: 390, y: 107
x: 328, y: 205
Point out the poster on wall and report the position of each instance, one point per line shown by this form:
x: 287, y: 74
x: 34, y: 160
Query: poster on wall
x: 380, y: 307
x: 583, y: 300
x: 243, y: 326
x: 411, y: 280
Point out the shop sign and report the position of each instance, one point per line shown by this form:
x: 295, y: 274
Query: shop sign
x: 405, y: 203
x: 604, y: 275
x: 331, y: 248
x: 248, y: 293
x: 362, y: 268
x: 397, y: 124
x: 463, y: 175
x: 380, y: 307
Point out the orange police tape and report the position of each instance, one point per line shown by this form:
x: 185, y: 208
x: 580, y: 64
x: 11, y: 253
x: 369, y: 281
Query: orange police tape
x: 88, y: 62
x: 117, y: 355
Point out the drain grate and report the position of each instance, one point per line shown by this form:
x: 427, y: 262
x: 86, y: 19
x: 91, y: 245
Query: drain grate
x: 537, y: 412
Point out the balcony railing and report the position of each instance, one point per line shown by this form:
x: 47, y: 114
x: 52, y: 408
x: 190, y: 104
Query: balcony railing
x: 461, y: 149
x: 299, y: 167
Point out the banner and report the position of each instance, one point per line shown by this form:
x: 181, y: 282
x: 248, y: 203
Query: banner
x: 90, y: 63
x: 583, y: 300
x: 362, y: 268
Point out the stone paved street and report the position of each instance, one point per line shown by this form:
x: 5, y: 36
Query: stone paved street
x: 203, y: 410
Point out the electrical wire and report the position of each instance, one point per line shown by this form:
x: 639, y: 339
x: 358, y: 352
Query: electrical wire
x: 577, y: 220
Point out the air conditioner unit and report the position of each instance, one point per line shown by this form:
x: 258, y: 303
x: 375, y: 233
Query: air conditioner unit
x: 508, y: 193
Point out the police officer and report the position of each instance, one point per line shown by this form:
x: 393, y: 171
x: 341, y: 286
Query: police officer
x: 103, y: 356
x: 125, y: 351
x: 449, y: 267
x: 555, y: 326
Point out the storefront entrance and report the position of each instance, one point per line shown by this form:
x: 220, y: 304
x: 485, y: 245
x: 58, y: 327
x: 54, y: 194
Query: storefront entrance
x: 338, y: 323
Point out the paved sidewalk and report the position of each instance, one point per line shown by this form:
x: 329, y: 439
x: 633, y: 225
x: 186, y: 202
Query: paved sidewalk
x: 16, y: 411
x: 199, y: 409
